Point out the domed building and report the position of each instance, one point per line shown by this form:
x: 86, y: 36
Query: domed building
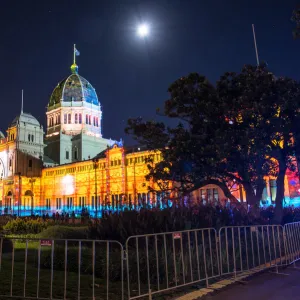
x: 74, y: 127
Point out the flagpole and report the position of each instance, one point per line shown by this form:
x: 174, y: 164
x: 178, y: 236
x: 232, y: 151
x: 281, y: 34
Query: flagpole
x: 74, y: 54
x: 255, y: 45
x: 22, y: 102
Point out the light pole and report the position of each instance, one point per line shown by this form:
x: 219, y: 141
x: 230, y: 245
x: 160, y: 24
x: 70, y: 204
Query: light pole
x: 32, y: 181
x: 19, y: 202
x: 96, y: 164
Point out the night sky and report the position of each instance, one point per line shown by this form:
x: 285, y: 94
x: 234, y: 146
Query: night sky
x: 131, y: 75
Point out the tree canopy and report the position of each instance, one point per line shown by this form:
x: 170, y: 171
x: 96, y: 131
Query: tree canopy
x: 237, y: 132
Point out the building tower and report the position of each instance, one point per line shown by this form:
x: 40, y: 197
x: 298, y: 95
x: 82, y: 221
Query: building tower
x: 74, y: 127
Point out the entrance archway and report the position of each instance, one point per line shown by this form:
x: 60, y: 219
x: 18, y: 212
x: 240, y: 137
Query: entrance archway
x: 28, y: 200
x: 8, y: 202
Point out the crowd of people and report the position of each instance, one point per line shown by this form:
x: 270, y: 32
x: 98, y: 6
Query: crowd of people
x: 65, y: 217
x: 209, y: 215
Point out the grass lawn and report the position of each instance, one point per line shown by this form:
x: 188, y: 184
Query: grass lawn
x: 14, y: 285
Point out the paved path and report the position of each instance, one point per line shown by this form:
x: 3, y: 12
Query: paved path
x: 265, y: 286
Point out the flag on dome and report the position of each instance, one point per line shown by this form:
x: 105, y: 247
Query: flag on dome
x: 77, y: 53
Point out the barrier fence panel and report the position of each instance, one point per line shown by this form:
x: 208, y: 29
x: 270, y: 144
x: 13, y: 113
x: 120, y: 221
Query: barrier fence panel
x: 292, y: 234
x: 61, y: 269
x: 244, y: 248
x: 161, y: 262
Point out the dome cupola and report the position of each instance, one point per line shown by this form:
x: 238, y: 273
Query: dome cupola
x: 73, y: 107
x: 74, y: 88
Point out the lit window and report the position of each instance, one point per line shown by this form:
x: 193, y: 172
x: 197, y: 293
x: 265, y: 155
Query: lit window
x: 76, y: 118
x: 69, y: 118
x: 48, y: 204
x: 58, y: 203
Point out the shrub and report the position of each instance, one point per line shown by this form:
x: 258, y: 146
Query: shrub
x: 4, y: 220
x: 64, y: 232
x: 25, y: 226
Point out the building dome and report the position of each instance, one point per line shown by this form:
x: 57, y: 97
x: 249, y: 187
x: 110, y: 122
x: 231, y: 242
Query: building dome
x: 25, y: 118
x: 74, y: 88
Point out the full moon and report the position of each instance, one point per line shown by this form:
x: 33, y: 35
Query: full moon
x: 143, y: 30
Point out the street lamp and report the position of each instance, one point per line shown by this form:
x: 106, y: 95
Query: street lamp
x: 96, y: 164
x: 32, y: 181
x: 19, y: 202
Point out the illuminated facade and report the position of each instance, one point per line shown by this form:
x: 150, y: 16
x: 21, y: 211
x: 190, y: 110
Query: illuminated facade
x: 74, y: 167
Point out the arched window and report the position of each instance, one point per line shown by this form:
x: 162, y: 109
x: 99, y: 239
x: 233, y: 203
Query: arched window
x: 69, y: 118
x: 76, y: 118
x: 28, y: 137
x: 65, y: 118
x: 86, y: 119
x: 80, y: 118
x: 97, y: 122
x: 58, y: 119
x: 32, y: 138
x: 90, y: 120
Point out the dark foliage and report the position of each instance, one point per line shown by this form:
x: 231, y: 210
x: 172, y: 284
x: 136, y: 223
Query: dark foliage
x: 240, y: 131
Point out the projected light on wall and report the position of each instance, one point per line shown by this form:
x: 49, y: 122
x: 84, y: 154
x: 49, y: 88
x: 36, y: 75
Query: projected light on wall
x: 68, y: 185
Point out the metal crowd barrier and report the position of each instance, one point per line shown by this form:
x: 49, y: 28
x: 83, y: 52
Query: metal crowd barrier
x: 251, y: 248
x: 162, y: 262
x: 155, y: 263
x: 61, y: 269
x: 292, y: 235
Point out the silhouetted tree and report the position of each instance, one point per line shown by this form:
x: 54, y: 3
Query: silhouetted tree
x: 296, y: 18
x: 240, y: 131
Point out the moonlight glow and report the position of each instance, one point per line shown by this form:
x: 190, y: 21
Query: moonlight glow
x: 143, y: 30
